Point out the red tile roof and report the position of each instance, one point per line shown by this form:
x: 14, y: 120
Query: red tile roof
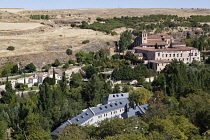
x: 154, y: 40
x: 154, y: 43
x: 153, y: 37
x: 166, y: 49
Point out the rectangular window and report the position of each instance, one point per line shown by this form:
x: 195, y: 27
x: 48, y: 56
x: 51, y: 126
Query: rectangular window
x: 177, y: 55
x: 196, y: 54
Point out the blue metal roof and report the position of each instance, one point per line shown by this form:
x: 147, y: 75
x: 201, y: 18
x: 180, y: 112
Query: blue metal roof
x: 79, y: 119
x: 109, y: 107
x: 138, y: 110
x: 115, y: 97
x: 84, y: 116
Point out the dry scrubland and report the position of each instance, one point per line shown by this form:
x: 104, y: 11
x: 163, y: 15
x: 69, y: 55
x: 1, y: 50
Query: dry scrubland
x: 18, y: 26
x: 58, y: 38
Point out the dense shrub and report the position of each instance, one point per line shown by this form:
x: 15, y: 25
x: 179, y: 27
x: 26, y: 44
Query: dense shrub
x: 11, y: 48
x: 85, y: 41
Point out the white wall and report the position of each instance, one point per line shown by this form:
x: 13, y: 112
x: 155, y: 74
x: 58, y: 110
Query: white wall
x: 105, y: 115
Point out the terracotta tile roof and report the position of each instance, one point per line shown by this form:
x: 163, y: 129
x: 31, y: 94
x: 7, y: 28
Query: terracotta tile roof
x: 167, y: 49
x: 154, y: 43
x: 167, y: 37
x: 178, y: 43
x: 153, y: 37
x: 154, y: 40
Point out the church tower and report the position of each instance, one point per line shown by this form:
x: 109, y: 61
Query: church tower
x: 143, y: 37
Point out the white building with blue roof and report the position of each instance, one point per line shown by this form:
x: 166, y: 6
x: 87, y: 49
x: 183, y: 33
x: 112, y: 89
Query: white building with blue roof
x: 114, y: 105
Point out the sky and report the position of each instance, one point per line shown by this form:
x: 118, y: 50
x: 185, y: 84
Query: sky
x: 86, y: 4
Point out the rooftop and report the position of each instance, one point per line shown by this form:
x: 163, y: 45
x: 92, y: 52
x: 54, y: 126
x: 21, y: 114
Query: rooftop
x: 166, y: 49
x: 115, y: 97
x: 153, y: 37
x: 154, y: 43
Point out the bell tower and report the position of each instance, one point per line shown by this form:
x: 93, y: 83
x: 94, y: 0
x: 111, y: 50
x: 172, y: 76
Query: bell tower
x: 143, y: 37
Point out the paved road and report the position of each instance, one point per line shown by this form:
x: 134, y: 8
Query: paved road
x: 10, y: 77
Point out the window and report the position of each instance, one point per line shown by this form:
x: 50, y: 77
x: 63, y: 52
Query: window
x: 177, y: 55
x: 166, y: 55
x: 169, y: 55
x: 162, y: 55
x: 181, y: 55
x: 158, y: 54
x: 196, y: 54
x: 173, y: 55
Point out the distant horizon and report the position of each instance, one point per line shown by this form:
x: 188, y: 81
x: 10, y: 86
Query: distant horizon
x: 105, y: 4
x: 102, y: 8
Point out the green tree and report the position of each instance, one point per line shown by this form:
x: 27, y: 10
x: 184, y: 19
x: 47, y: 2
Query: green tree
x: 72, y: 132
x: 69, y: 52
x: 11, y: 48
x: 185, y: 126
x: 14, y: 69
x: 3, y: 129
x: 30, y: 67
x: 36, y: 132
x: 125, y: 40
x: 76, y: 80
x: 81, y: 56
x: 73, y: 25
x: 56, y: 63
x: 140, y: 96
x: 116, y: 89
x: 90, y: 70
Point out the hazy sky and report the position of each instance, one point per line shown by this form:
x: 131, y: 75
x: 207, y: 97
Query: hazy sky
x: 76, y: 4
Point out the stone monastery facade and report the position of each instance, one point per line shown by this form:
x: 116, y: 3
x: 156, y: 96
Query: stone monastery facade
x: 160, y: 50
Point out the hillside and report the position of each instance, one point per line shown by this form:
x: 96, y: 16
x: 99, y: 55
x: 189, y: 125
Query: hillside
x: 29, y: 36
